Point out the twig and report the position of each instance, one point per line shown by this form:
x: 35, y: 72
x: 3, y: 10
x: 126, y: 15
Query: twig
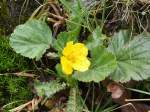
x: 20, y: 107
x: 25, y: 74
x: 132, y: 100
x: 125, y: 105
x: 55, y: 9
x: 57, y: 16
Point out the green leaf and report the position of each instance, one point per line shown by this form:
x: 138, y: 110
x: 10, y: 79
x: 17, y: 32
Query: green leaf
x: 75, y: 103
x: 49, y: 88
x: 76, y: 14
x: 62, y: 39
x: 59, y: 71
x: 133, y: 57
x: 67, y: 5
x: 119, y: 40
x: 31, y: 39
x: 96, y: 39
x: 102, y: 64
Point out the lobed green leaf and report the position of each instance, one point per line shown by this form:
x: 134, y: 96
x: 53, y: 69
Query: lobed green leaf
x: 31, y: 39
x: 133, y: 57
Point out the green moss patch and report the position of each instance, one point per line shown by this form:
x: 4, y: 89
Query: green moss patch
x: 14, y: 91
x: 9, y: 60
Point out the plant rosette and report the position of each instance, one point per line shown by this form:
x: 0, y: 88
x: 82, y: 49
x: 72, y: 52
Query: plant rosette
x: 89, y: 61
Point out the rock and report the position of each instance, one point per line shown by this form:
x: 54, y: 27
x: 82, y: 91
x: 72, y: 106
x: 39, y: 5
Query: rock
x: 120, y: 94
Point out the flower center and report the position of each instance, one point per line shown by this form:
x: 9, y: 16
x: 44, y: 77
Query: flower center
x: 71, y: 58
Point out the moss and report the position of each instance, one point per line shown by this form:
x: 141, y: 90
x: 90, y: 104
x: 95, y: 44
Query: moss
x: 9, y: 60
x: 14, y: 89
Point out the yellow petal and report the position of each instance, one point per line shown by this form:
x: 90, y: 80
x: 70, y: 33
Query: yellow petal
x: 68, y: 48
x: 81, y: 64
x: 66, y: 66
x: 80, y: 49
x: 74, y: 57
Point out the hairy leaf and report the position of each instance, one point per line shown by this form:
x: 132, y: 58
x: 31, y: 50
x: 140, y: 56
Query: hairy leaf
x: 49, y: 88
x: 102, y: 64
x: 31, y: 39
x: 133, y: 57
x: 74, y: 104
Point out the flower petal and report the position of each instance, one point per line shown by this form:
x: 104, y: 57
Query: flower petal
x: 66, y: 66
x: 81, y: 64
x: 80, y: 49
x: 68, y: 49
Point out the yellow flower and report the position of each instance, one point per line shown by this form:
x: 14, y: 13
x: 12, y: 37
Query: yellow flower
x: 74, y: 58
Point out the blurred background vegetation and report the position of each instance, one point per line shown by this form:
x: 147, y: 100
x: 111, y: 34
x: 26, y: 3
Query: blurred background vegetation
x: 14, y: 12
